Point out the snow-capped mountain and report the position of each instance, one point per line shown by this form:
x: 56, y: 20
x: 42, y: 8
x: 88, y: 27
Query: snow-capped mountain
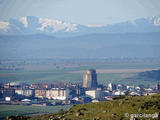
x: 31, y: 24
x: 34, y: 25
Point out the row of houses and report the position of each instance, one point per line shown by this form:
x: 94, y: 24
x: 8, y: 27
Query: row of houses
x: 54, y: 93
x: 73, y: 91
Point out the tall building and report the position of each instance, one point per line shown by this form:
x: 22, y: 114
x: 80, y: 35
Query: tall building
x: 90, y: 79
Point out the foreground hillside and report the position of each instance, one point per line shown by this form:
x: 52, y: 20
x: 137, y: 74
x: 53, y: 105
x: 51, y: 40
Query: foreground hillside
x: 120, y: 108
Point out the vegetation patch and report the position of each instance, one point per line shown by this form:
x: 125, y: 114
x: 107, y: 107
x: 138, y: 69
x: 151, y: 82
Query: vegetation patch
x: 122, y: 108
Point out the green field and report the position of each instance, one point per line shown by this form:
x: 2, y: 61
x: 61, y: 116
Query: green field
x: 66, y: 74
x: 9, y: 110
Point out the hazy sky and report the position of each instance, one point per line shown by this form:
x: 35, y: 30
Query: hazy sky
x: 88, y: 12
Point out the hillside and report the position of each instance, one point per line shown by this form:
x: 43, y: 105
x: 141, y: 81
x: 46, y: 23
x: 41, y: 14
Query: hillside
x: 117, y: 109
x: 152, y: 76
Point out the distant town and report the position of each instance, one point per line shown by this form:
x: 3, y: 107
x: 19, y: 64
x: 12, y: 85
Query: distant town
x: 90, y: 91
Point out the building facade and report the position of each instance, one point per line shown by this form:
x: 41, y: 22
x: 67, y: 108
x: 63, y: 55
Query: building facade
x: 8, y: 92
x: 25, y: 92
x: 58, y: 93
x: 90, y: 79
x: 41, y: 93
x: 94, y: 94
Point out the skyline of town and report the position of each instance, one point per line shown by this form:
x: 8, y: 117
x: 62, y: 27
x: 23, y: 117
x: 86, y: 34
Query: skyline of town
x: 89, y: 88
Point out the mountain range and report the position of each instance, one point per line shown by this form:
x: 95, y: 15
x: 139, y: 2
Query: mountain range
x: 33, y: 37
x: 35, y: 25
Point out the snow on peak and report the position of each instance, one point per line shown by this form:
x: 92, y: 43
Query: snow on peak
x: 24, y: 21
x: 4, y: 26
x: 157, y: 21
x: 32, y: 24
x: 55, y: 25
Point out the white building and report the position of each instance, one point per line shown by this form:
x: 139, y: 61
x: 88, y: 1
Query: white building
x: 94, y: 94
x: 111, y: 87
x: 148, y: 89
x: 134, y: 93
x: 119, y: 93
x: 108, y: 97
x: 25, y: 92
x: 138, y: 88
x: 95, y: 101
x: 58, y: 93
x: 26, y: 100
x: 7, y: 98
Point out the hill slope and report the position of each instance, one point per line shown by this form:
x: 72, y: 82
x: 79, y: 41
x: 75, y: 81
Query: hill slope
x: 152, y: 76
x: 119, y: 109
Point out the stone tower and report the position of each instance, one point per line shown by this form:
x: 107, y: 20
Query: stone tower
x: 90, y: 79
